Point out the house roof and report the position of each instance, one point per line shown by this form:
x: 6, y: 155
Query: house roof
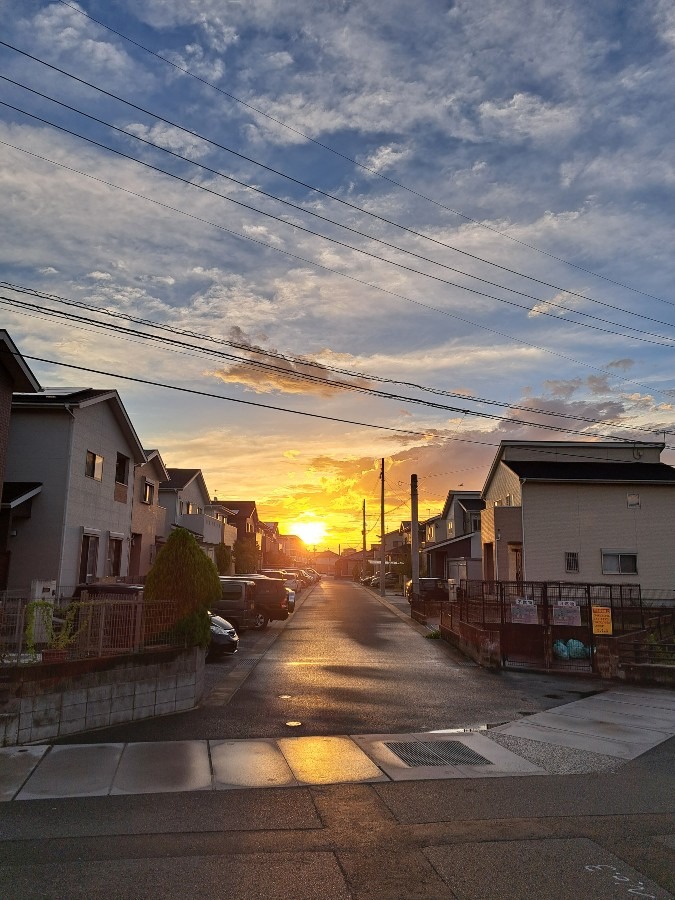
x: 471, y: 504
x: 154, y: 456
x: 16, y: 492
x: 244, y: 508
x: 460, y: 496
x: 179, y: 479
x: 441, y: 545
x: 625, y: 473
x: 13, y: 362
x: 79, y: 398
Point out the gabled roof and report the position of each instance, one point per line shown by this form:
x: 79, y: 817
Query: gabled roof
x: 14, y: 493
x: 460, y: 496
x: 153, y: 456
x: 13, y: 362
x: 244, y: 508
x: 471, y: 504
x: 180, y: 479
x: 80, y: 398
x: 599, y: 472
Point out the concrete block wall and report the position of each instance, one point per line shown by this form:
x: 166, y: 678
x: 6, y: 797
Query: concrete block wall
x: 46, y: 704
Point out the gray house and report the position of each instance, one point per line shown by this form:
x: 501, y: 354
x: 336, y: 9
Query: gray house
x: 188, y: 505
x: 80, y: 448
x: 148, y: 516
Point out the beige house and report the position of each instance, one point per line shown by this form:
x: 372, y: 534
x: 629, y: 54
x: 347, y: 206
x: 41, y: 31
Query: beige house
x: 580, y: 512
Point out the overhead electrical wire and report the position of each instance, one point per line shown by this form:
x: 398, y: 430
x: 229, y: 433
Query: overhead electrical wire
x: 374, y: 286
x: 355, y: 162
x: 663, y: 342
x: 183, y: 346
x: 310, y: 187
x: 302, y: 361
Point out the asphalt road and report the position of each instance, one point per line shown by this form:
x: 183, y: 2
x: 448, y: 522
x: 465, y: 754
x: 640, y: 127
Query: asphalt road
x: 345, y: 663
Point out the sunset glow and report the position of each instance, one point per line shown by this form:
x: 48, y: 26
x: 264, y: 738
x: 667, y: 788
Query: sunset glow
x: 311, y: 533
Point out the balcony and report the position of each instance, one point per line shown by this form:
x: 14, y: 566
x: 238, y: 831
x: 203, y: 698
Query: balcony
x: 206, y: 528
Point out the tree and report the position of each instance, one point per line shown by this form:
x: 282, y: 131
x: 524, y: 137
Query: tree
x: 183, y: 575
x: 223, y: 559
x: 246, y: 555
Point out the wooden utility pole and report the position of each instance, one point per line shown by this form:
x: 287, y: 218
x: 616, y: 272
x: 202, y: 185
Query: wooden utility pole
x: 382, y: 549
x: 363, y: 540
x: 414, y: 537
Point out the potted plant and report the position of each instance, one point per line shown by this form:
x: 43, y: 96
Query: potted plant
x: 40, y: 628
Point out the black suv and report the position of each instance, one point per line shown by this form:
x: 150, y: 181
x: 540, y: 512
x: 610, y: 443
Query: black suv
x: 271, y: 597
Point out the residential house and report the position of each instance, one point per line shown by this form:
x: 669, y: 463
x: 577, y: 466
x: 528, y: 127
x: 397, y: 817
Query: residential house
x: 355, y: 563
x: 243, y: 515
x: 148, y: 517
x: 80, y: 447
x: 186, y: 500
x: 580, y: 512
x: 323, y: 561
x: 455, y: 553
x: 271, y: 544
x: 16, y: 497
x: 294, y: 549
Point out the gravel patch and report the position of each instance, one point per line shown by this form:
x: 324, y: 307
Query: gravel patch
x: 557, y: 760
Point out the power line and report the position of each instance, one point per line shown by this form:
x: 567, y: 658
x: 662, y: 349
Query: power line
x: 362, y: 166
x: 341, y: 274
x: 544, y: 312
x: 322, y: 218
x: 291, y: 360
x: 310, y: 187
x: 183, y: 346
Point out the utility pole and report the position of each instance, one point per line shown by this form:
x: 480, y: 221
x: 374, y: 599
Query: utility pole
x: 382, y: 550
x: 363, y: 540
x: 414, y: 537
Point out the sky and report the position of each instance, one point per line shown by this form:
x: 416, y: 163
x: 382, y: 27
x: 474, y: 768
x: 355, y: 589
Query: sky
x: 424, y: 233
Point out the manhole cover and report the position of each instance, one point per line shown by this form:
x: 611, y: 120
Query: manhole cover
x: 436, y: 753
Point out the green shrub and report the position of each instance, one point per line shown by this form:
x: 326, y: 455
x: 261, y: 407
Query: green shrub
x: 184, y: 576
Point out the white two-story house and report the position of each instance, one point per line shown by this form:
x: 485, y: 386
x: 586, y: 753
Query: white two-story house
x: 80, y: 446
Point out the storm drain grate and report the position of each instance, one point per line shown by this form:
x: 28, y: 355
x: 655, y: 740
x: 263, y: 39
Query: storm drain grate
x: 436, y: 753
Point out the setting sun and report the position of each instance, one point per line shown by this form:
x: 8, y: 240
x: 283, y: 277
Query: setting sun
x: 310, y: 532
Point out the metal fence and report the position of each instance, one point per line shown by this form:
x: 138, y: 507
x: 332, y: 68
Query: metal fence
x: 37, y: 631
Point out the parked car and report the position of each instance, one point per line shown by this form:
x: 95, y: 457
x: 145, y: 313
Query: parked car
x: 270, y: 598
x: 224, y: 638
x: 315, y: 575
x: 237, y: 604
x: 391, y: 580
x: 290, y: 580
x: 430, y: 589
x: 291, y: 600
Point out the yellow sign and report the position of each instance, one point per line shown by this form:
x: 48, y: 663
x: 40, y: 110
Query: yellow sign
x: 602, y: 620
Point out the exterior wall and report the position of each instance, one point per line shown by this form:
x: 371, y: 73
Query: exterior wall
x: 148, y: 520
x: 29, y: 460
x: 586, y: 519
x: 50, y: 446
x: 48, y: 702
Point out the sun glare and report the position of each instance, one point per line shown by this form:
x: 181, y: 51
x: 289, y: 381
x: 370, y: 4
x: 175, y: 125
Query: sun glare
x: 310, y: 532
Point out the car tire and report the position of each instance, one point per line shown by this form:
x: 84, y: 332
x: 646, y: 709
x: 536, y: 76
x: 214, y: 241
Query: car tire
x: 260, y: 622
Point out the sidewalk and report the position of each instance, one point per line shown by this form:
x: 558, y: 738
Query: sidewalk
x: 596, y: 734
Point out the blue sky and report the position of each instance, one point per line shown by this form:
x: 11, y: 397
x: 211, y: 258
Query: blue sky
x: 510, y: 140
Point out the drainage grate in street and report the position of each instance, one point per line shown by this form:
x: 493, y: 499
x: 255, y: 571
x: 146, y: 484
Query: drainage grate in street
x: 436, y: 753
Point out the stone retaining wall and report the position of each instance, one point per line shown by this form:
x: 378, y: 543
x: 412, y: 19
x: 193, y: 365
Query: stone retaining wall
x: 51, y: 701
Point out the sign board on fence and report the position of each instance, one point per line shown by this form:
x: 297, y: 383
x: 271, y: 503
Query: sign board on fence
x: 602, y: 620
x: 524, y: 614
x: 566, y: 614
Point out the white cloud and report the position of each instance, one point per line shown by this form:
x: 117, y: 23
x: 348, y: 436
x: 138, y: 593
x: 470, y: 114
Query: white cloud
x: 174, y: 139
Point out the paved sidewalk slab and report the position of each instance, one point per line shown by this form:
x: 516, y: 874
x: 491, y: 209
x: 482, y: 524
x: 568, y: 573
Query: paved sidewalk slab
x: 84, y: 770
x: 561, y: 738
x: 651, y: 718
x: 16, y: 764
x: 328, y: 760
x: 157, y: 768
x: 247, y: 764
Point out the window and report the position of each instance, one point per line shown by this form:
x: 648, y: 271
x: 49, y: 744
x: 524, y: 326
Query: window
x: 148, y: 492
x: 114, y: 561
x: 615, y: 562
x: 509, y: 500
x: 122, y: 469
x: 633, y: 501
x: 475, y: 523
x: 93, y: 466
x: 88, y: 558
x: 571, y: 562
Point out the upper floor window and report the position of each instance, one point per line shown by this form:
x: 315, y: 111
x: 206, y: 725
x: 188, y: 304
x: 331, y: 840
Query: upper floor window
x: 615, y: 562
x: 122, y: 469
x: 93, y: 466
x: 148, y: 492
x: 571, y: 562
